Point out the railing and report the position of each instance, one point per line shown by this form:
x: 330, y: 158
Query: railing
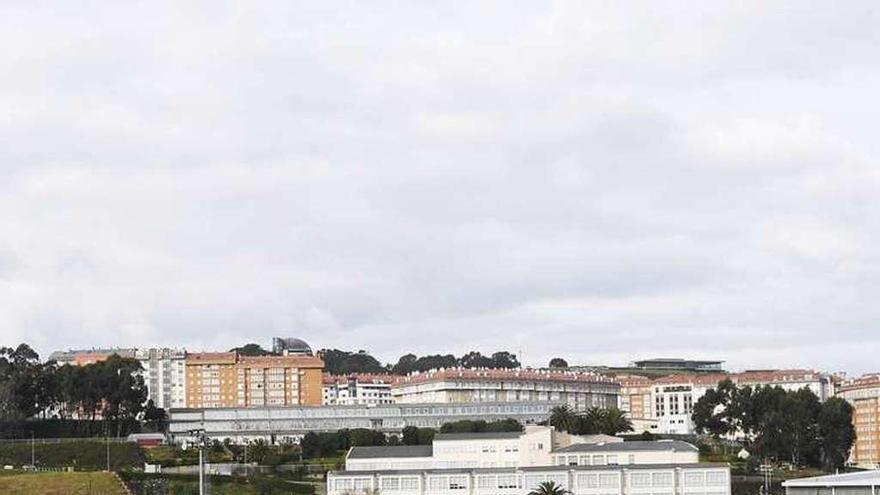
x: 65, y: 440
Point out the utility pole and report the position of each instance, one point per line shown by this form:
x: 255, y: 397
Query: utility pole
x: 201, y: 440
x: 107, y: 438
x: 33, y: 456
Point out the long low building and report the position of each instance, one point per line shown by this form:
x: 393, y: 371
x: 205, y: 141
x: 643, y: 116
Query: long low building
x: 279, y: 423
x: 858, y: 483
x: 648, y: 479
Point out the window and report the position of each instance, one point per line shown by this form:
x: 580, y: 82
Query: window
x: 409, y: 483
x: 716, y: 478
x: 609, y: 481
x: 436, y: 483
x: 587, y: 481
x: 611, y: 459
x: 485, y: 482
x: 662, y: 479
x: 572, y: 460
x: 388, y: 483
x: 584, y: 460
x: 640, y: 480
x: 507, y: 481
x: 458, y: 482
x: 598, y: 460
x: 693, y: 479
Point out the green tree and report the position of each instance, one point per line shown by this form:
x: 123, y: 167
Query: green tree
x: 563, y: 418
x: 558, y: 362
x: 251, y: 350
x: 549, y: 488
x: 836, y: 433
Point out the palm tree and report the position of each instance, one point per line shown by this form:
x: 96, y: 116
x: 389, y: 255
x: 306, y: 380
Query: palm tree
x: 563, y: 418
x: 610, y: 421
x: 549, y: 488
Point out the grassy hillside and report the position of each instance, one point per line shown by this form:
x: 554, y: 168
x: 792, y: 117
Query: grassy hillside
x: 60, y: 484
x: 85, y: 455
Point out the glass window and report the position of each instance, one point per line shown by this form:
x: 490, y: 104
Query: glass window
x: 587, y: 481
x: 693, y: 479
x: 389, y: 483
x: 640, y: 480
x: 409, y: 483
x: 507, y: 481
x: 609, y: 481
x: 662, y: 479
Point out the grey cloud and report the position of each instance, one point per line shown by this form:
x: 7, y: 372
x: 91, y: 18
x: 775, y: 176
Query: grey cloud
x: 600, y: 181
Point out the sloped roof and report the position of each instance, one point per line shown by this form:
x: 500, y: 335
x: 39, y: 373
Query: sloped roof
x: 861, y: 478
x: 486, y: 435
x: 396, y: 451
x: 659, y: 446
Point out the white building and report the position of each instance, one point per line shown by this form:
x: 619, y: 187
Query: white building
x: 357, y: 389
x: 252, y: 423
x: 581, y: 390
x: 535, y: 446
x: 164, y: 375
x: 673, y: 397
x: 858, y: 483
x: 653, y: 479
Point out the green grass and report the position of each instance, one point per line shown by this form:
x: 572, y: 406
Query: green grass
x: 176, y: 484
x: 83, y: 456
x: 60, y: 484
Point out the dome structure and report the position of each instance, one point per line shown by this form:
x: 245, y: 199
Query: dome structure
x: 291, y: 345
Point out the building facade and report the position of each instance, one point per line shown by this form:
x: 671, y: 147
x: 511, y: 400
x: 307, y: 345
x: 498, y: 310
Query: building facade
x: 864, y: 395
x: 243, y: 423
x: 673, y: 397
x: 357, y: 389
x: 225, y: 379
x: 578, y: 389
x: 857, y: 483
x: 164, y: 373
x: 657, y: 479
x: 534, y: 446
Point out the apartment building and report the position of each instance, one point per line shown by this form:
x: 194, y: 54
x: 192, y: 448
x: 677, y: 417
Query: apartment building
x: 673, y: 397
x: 581, y: 390
x: 357, y: 389
x: 864, y: 395
x: 635, y: 396
x: 164, y: 372
x: 225, y: 379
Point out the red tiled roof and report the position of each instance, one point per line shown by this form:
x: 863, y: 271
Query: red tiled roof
x: 505, y: 374
x: 211, y: 357
x: 298, y: 361
x: 360, y: 377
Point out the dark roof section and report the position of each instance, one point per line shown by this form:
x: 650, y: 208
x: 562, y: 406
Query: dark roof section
x: 396, y: 451
x: 659, y: 446
x: 492, y: 435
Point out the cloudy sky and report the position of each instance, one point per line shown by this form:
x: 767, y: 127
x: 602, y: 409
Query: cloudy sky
x: 594, y: 180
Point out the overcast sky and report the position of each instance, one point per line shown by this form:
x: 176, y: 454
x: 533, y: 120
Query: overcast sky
x: 598, y: 181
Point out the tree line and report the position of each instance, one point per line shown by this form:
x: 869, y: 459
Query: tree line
x: 112, y: 390
x: 595, y: 420
x: 779, y: 425
x: 329, y: 444
x: 341, y: 362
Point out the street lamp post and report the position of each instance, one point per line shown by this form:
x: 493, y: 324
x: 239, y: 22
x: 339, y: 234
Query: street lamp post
x: 201, y: 443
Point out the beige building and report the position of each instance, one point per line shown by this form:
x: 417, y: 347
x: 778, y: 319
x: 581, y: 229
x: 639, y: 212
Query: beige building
x: 581, y: 390
x: 225, y: 379
x: 864, y: 395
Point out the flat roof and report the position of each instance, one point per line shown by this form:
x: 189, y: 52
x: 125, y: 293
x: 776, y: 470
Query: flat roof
x: 483, y: 435
x: 659, y: 446
x: 395, y: 451
x: 861, y: 478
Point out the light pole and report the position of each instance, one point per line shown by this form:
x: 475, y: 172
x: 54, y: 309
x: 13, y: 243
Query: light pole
x: 201, y: 441
x: 33, y: 456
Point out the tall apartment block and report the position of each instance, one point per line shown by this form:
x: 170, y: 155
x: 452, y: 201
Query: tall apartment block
x: 864, y: 395
x: 225, y: 379
x: 164, y: 376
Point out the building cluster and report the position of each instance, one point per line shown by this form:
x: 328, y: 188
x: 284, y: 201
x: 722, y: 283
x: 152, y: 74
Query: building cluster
x: 658, y: 395
x: 665, y: 404
x: 516, y: 463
